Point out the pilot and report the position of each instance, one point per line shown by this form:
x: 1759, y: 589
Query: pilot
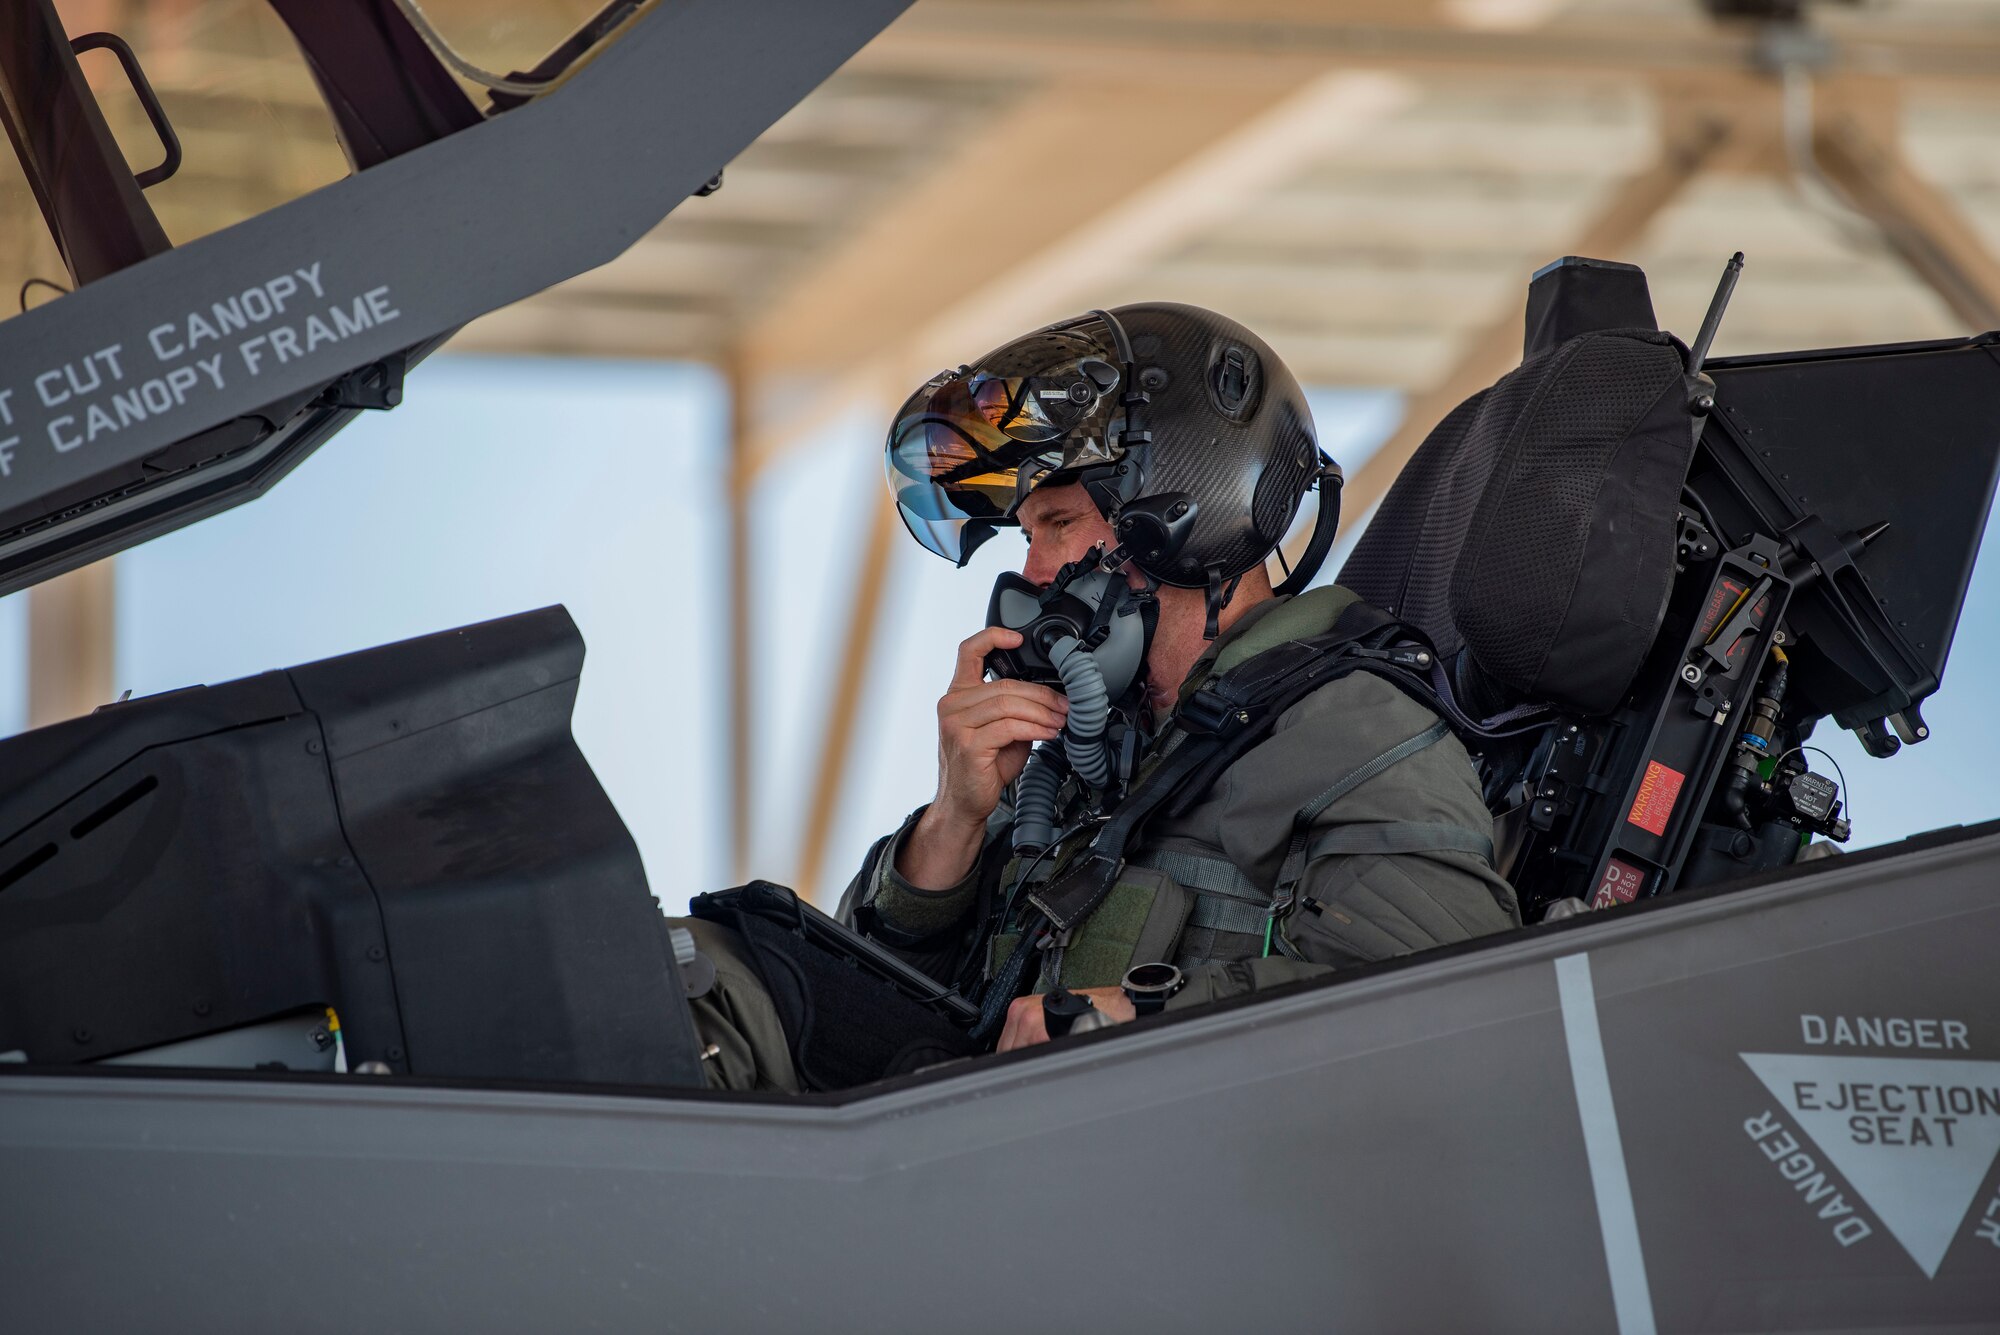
x: 1153, y: 457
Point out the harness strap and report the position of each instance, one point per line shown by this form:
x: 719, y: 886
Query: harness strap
x: 1072, y: 896
x: 1299, y: 851
x: 1215, y: 876
x: 1230, y: 915
x: 1224, y: 898
x: 1257, y: 691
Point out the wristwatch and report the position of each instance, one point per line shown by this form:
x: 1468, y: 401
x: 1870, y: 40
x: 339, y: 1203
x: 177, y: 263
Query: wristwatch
x: 1147, y: 986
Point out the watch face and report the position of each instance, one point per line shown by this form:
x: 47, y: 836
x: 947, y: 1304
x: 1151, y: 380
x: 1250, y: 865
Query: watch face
x: 1153, y: 980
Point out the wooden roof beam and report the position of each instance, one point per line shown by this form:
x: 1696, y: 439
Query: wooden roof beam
x: 1062, y: 198
x: 1214, y: 41
x: 1857, y: 150
x: 72, y: 643
x: 1691, y: 146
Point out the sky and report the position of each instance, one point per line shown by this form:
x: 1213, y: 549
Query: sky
x: 499, y: 486
x: 505, y: 484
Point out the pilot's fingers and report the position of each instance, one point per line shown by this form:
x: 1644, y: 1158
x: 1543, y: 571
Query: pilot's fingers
x: 995, y: 737
x: 1025, y: 1026
x: 976, y: 710
x: 960, y: 696
x: 971, y: 666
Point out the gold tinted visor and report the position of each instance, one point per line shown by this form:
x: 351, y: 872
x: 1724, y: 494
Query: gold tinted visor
x: 968, y: 447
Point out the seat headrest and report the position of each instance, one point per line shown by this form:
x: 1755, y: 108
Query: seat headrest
x: 1535, y: 527
x: 1574, y: 295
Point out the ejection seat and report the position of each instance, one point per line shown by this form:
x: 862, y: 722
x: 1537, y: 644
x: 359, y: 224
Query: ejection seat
x: 1536, y: 538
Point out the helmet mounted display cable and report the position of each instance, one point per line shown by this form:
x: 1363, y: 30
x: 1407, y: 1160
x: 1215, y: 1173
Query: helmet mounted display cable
x: 1326, y: 525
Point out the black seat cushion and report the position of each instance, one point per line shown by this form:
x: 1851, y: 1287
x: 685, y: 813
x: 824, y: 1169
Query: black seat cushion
x: 1535, y: 527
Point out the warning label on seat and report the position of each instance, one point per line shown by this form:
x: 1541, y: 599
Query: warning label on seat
x: 1658, y: 792
x: 1620, y: 884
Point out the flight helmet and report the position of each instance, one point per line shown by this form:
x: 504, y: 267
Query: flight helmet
x: 1184, y: 427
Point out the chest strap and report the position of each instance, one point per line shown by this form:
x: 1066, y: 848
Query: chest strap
x: 1224, y: 898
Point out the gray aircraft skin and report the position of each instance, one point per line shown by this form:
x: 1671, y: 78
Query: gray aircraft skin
x: 1617, y: 1123
x: 1767, y: 1105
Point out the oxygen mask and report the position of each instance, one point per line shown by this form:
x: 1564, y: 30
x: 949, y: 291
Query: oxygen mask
x: 1086, y: 635
x: 1092, y: 601
x: 1089, y: 608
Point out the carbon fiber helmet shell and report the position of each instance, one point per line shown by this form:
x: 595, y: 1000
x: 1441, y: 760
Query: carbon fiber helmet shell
x: 1230, y: 429
x: 1216, y: 419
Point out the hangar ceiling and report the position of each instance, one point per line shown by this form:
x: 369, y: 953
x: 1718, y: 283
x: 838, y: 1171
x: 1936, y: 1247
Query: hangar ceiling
x: 1368, y: 182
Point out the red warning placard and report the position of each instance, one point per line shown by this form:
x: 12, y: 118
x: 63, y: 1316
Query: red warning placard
x: 1657, y: 793
x: 1620, y: 884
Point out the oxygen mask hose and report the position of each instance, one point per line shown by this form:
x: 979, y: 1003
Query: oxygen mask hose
x: 1040, y: 786
x: 1035, y: 798
x: 1089, y: 711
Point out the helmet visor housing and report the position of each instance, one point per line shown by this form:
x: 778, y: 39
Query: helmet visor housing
x: 969, y: 447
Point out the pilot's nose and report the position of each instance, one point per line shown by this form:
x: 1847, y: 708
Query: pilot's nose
x: 1041, y: 566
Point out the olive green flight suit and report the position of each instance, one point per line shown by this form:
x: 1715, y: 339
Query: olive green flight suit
x: 1400, y: 861
x: 1358, y: 796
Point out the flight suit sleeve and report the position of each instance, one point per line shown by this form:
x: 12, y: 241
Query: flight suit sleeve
x: 878, y: 894
x: 1399, y: 862
x: 936, y: 931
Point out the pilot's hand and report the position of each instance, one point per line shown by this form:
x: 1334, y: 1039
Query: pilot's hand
x: 985, y: 731
x: 1026, y: 1027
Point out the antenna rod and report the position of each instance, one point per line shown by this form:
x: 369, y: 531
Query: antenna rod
x: 1711, y: 322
